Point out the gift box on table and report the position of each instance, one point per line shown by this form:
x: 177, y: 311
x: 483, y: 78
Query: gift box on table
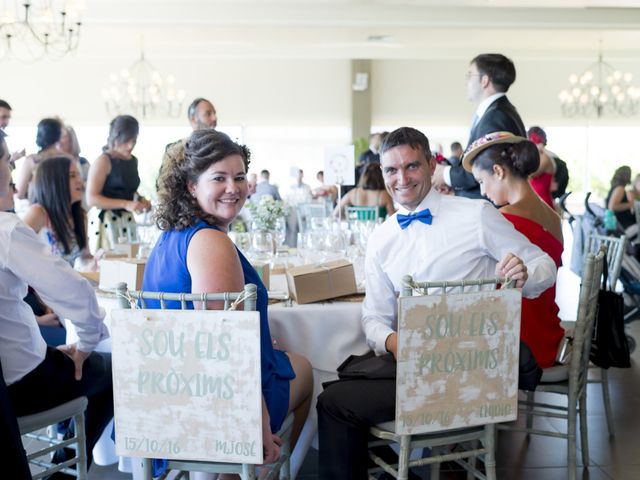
x: 312, y: 283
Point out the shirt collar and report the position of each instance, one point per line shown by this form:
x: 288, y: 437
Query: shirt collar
x: 484, y: 104
x: 430, y: 201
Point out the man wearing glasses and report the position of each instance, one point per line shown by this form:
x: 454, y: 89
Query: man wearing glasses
x: 488, y: 79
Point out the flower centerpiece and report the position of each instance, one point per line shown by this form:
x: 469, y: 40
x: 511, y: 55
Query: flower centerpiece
x: 267, y: 213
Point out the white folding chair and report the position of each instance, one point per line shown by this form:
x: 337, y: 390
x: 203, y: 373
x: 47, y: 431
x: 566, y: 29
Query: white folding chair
x: 569, y: 380
x: 474, y: 442
x: 279, y: 469
x: 615, y: 252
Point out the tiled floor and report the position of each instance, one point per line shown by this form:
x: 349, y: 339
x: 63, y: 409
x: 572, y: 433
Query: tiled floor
x: 543, y: 458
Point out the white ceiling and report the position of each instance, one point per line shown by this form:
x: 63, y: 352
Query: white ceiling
x: 382, y: 29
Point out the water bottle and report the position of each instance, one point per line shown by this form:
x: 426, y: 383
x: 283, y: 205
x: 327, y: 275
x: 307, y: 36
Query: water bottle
x: 610, y: 222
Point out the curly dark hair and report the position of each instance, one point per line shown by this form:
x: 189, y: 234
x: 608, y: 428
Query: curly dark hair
x: 521, y: 159
x: 371, y: 178
x: 184, y: 162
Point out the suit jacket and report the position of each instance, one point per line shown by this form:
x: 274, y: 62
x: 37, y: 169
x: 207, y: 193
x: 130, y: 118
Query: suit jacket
x: 501, y: 116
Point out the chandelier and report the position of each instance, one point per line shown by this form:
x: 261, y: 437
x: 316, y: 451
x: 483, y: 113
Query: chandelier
x: 31, y: 30
x: 598, y: 90
x: 141, y: 90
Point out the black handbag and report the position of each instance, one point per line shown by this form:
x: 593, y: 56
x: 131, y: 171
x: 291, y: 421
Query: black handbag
x: 368, y: 366
x: 609, y: 347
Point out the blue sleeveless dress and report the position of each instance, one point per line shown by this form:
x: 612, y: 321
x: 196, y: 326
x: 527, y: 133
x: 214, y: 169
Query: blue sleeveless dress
x: 166, y: 271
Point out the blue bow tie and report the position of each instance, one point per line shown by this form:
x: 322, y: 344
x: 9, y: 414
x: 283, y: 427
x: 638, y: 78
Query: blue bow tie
x: 424, y: 216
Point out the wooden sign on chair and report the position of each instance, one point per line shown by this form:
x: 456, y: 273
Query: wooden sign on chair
x: 457, y: 360
x: 187, y: 384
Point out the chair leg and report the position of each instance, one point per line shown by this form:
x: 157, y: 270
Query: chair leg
x: 490, y: 456
x: 530, y: 396
x: 403, y: 458
x: 147, y: 473
x: 82, y: 447
x: 584, y: 433
x: 571, y: 437
x: 606, y: 399
x: 435, y: 467
x: 285, y: 468
x: 248, y: 472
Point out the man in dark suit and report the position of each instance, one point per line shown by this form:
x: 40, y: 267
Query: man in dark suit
x: 488, y: 79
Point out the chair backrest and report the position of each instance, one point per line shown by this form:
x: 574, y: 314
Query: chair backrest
x: 457, y: 359
x: 248, y: 295
x: 636, y: 208
x: 307, y: 211
x: 187, y: 371
x: 615, y: 251
x: 587, y: 309
x: 363, y: 213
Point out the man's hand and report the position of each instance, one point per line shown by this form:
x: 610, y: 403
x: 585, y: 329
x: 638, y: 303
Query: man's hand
x: 391, y: 344
x: 77, y: 356
x: 513, y: 268
x: 49, y: 319
x: 437, y: 179
x: 17, y: 155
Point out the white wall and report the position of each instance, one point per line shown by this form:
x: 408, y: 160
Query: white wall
x: 288, y: 109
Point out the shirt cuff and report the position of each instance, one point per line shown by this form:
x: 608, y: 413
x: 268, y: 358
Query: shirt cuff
x: 446, y: 175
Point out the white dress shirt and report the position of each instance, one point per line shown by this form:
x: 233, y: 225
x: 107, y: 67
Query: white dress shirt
x: 466, y: 240
x: 26, y: 260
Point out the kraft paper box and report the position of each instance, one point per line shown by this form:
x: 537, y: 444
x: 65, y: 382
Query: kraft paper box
x: 312, y: 283
x: 264, y: 271
x: 114, y: 271
x: 93, y: 277
x: 129, y: 249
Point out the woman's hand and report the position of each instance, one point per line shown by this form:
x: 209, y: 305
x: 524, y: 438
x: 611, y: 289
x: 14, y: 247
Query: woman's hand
x: 271, y: 447
x: 137, y: 206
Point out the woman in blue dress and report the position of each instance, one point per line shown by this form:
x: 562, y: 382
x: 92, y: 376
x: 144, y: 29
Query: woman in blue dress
x: 202, y: 188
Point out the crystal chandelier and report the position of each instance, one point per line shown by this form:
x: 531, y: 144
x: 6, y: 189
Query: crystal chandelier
x: 598, y: 90
x: 31, y: 30
x: 141, y: 90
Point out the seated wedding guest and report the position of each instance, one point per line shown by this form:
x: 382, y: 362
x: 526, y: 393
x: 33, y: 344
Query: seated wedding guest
x: 202, y: 188
x: 56, y: 213
x: 329, y: 192
x: 542, y: 178
x: 370, y: 192
x: 113, y: 187
x: 57, y: 216
x: 636, y: 187
x: 432, y: 237
x: 619, y: 199
x: 299, y: 192
x: 49, y: 132
x: 41, y: 377
x: 501, y: 163
x: 263, y: 187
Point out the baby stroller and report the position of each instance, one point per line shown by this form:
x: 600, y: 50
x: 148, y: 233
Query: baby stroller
x: 626, y: 269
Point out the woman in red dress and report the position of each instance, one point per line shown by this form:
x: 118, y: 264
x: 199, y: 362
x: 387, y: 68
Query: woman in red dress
x: 501, y: 163
x: 542, y: 178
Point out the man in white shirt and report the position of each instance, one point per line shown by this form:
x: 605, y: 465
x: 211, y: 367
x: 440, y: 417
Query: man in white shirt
x: 488, y: 79
x: 432, y: 237
x: 40, y: 377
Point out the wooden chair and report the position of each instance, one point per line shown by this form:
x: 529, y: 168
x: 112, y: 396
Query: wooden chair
x: 569, y: 380
x: 615, y: 252
x: 246, y: 471
x: 474, y: 442
x: 363, y: 214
